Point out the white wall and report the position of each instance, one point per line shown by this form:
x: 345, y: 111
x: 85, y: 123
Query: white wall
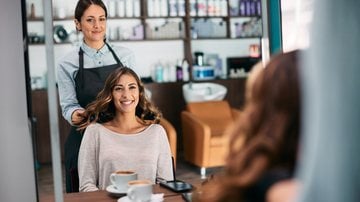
x: 17, y: 175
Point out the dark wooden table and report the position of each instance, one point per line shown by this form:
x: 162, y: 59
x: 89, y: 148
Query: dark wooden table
x: 104, y: 196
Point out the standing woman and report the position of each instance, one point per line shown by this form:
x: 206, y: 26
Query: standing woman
x: 82, y: 73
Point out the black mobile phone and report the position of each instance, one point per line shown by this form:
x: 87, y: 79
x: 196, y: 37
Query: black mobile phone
x: 177, y: 186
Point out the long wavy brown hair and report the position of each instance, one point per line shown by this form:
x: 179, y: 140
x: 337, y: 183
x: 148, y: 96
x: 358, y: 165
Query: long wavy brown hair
x: 103, y: 109
x: 266, y: 136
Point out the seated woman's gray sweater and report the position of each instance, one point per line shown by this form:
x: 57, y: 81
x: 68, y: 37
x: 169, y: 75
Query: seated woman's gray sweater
x: 103, y: 152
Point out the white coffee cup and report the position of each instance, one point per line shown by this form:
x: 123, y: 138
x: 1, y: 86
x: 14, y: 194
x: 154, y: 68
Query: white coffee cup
x: 121, y: 178
x: 139, y: 190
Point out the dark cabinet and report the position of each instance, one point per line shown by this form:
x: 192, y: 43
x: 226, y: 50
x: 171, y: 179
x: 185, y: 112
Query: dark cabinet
x: 42, y: 126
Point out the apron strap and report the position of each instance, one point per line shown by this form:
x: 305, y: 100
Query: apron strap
x: 81, y: 67
x: 115, y: 56
x: 81, y: 63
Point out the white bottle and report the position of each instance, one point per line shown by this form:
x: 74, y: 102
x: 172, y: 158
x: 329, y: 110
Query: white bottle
x: 150, y: 8
x: 172, y: 72
x: 233, y: 30
x: 121, y: 8
x: 166, y: 73
x: 234, y: 7
x: 61, y: 12
x: 185, y: 70
x: 217, y: 5
x: 136, y: 8
x: 156, y: 8
x: 111, y: 8
x: 129, y: 8
x: 181, y: 7
x: 192, y: 7
x: 223, y: 8
x: 201, y: 7
x: 113, y: 33
x: 172, y: 8
x: 163, y: 8
x: 210, y: 8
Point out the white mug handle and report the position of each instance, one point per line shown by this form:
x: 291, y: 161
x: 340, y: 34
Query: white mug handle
x: 112, y: 178
x: 130, y: 193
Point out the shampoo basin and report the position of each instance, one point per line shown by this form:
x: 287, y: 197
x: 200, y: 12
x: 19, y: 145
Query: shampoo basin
x: 200, y: 92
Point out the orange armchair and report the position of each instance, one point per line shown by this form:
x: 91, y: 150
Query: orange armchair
x: 205, y: 126
x: 171, y: 135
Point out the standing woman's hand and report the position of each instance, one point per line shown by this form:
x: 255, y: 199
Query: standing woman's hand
x: 78, y: 116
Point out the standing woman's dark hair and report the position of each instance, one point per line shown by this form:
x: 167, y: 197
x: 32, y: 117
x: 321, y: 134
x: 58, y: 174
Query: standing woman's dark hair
x: 103, y: 108
x: 264, y: 144
x: 82, y: 5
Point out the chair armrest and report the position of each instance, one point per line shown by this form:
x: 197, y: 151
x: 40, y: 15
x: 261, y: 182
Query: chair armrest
x: 171, y: 135
x: 196, y: 137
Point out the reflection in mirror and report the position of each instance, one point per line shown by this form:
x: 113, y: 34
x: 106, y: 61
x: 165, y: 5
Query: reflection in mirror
x: 63, y: 11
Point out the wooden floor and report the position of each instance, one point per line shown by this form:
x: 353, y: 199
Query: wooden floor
x: 184, y: 171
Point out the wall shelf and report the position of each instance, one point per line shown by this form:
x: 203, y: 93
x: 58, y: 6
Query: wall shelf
x: 169, y: 49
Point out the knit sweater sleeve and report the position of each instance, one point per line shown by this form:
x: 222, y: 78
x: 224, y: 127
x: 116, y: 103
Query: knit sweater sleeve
x: 165, y: 167
x: 88, y: 160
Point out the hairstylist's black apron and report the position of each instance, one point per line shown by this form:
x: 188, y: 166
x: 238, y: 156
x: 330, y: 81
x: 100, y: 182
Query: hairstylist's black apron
x: 88, y: 84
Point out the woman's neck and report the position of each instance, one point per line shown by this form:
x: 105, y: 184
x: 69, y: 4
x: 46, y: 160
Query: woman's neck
x: 126, y: 124
x: 94, y: 44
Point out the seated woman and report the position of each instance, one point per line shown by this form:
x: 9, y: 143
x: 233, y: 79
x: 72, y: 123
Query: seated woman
x: 121, y: 134
x: 264, y: 143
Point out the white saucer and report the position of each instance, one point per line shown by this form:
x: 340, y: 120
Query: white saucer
x: 113, y: 190
x: 154, y: 198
